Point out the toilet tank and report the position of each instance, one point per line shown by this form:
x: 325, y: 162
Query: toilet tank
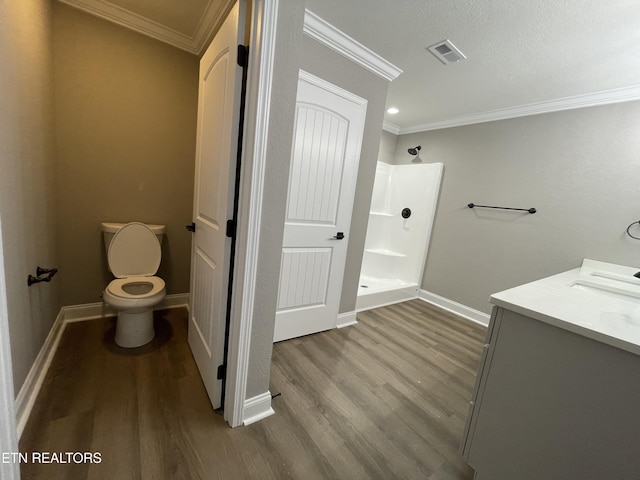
x: 109, y: 229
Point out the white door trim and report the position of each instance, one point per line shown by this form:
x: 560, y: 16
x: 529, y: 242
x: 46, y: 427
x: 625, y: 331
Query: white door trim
x: 261, y: 56
x: 330, y: 87
x: 8, y: 432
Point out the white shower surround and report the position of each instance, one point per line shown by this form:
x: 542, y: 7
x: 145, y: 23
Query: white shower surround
x: 395, y: 247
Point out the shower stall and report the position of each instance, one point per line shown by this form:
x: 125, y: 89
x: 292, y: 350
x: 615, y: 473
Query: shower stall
x: 403, y: 207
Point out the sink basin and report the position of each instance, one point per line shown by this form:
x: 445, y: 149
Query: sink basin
x: 614, y: 281
x: 617, y: 277
x: 609, y: 287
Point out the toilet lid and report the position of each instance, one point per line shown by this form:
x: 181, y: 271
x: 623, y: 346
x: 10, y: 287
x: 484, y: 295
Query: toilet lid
x: 134, y: 250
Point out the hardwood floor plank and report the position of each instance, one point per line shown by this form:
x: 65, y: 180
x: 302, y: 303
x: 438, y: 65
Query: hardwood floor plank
x: 383, y: 399
x: 307, y: 447
x: 335, y: 404
x: 412, y: 378
x: 454, y: 367
x: 115, y: 426
x: 378, y: 419
x: 386, y: 421
x: 65, y: 434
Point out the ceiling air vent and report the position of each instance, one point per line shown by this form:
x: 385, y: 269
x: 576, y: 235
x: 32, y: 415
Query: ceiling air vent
x: 446, y: 52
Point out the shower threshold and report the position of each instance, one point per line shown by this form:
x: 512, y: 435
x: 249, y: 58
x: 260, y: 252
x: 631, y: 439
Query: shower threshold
x: 377, y: 292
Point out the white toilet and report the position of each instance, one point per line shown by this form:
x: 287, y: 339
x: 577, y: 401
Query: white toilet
x: 134, y: 254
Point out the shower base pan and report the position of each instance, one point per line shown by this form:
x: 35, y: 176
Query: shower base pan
x: 377, y: 292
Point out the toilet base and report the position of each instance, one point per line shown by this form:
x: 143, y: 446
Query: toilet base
x: 134, y: 329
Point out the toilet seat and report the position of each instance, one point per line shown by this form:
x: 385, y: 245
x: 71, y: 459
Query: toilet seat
x: 116, y: 287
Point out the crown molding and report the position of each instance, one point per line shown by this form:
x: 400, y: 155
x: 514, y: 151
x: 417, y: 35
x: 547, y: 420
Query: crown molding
x: 328, y: 35
x: 210, y: 22
x: 607, y: 97
x: 391, y: 127
x: 195, y: 44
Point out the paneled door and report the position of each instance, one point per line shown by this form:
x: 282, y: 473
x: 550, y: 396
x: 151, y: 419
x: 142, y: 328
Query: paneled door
x: 218, y: 117
x: 327, y: 138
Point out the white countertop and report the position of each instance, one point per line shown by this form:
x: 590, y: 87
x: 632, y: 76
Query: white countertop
x: 599, y: 300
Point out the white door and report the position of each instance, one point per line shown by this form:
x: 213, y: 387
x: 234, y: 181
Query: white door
x: 327, y: 137
x: 218, y: 114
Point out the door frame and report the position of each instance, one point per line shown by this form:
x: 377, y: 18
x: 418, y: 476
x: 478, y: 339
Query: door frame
x: 8, y: 429
x: 256, y: 128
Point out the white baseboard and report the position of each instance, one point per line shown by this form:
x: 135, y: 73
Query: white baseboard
x: 86, y: 311
x: 175, y: 300
x: 455, y: 307
x: 346, y: 319
x: 91, y: 311
x: 32, y: 384
x: 256, y: 408
x: 71, y: 313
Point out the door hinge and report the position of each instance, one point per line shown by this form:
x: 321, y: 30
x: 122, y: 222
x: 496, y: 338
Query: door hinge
x: 231, y: 228
x: 192, y: 227
x: 243, y: 55
x: 222, y: 372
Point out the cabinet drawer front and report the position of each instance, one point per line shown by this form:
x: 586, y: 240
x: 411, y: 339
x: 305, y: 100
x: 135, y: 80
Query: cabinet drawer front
x: 481, y: 377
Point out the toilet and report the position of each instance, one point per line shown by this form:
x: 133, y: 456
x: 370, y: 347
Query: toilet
x: 134, y: 254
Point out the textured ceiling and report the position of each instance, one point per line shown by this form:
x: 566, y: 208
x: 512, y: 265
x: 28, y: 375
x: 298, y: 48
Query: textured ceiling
x: 519, y: 52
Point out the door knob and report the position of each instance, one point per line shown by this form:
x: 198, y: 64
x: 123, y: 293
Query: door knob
x: 339, y: 236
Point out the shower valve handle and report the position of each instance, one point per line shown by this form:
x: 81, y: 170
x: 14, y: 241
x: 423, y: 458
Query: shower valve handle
x: 339, y: 236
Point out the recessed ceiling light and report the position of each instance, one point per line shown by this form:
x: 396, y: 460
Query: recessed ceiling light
x: 392, y: 111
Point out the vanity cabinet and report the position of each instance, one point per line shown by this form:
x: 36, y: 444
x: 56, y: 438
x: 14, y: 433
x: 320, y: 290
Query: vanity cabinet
x: 551, y: 404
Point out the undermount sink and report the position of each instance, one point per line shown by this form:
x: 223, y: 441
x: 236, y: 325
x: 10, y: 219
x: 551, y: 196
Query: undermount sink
x: 610, y: 287
x: 614, y: 281
x: 617, y: 277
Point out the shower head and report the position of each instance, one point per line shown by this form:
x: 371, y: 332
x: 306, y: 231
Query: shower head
x: 415, y: 151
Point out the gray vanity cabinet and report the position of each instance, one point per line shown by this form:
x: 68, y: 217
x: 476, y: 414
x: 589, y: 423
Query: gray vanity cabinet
x: 550, y: 404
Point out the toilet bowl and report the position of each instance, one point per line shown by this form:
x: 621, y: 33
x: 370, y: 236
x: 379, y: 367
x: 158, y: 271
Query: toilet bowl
x: 134, y: 254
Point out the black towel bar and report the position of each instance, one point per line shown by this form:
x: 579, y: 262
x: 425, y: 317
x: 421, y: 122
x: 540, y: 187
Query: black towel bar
x: 530, y: 210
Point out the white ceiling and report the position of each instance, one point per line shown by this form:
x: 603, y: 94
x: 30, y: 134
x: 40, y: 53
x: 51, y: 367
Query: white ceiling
x: 519, y: 52
x: 523, y: 56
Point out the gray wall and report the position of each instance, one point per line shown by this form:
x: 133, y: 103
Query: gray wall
x: 27, y: 161
x: 283, y: 99
x: 579, y: 168
x: 126, y: 110
x: 295, y: 51
x: 388, y: 145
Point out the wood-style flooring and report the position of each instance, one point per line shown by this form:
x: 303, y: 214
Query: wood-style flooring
x: 384, y: 399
